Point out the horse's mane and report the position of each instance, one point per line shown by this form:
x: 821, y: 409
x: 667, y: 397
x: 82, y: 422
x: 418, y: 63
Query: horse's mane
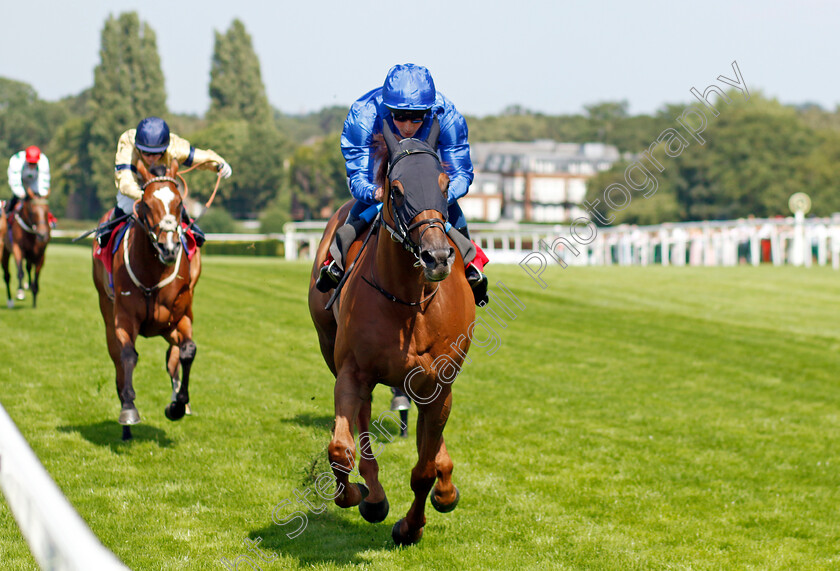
x: 380, y: 154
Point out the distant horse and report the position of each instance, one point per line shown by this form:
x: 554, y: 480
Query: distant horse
x: 152, y: 293
x: 27, y: 236
x: 404, y: 311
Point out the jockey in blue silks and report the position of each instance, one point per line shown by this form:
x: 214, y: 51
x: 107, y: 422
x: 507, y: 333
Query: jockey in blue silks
x: 409, y: 103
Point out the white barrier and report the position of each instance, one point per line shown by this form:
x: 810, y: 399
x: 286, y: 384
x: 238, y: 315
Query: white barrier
x: 57, y: 536
x: 710, y: 243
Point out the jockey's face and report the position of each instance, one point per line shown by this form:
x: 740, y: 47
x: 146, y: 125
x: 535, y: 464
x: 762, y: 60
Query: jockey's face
x: 151, y: 158
x: 407, y: 128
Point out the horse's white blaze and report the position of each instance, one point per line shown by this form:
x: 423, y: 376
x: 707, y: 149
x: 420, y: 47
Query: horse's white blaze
x: 165, y: 195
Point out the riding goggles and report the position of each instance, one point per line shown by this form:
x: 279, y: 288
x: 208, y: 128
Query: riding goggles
x: 413, y: 115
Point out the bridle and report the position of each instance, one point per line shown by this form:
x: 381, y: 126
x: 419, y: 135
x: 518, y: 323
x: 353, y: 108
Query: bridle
x: 165, y: 224
x: 401, y: 231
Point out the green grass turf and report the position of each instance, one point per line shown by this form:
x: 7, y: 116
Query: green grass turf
x: 632, y: 418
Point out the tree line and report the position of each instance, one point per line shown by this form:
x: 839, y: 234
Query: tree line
x: 757, y: 153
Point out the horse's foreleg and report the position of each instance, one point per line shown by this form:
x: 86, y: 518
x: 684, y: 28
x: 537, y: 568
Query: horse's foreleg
x: 34, y: 284
x: 182, y: 338
x: 445, y: 495
x: 127, y: 362
x: 342, y: 449
x: 431, y: 420
x: 7, y: 277
x: 18, y: 254
x: 374, y: 507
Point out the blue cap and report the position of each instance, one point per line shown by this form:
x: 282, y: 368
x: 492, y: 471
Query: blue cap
x: 152, y: 135
x: 408, y: 86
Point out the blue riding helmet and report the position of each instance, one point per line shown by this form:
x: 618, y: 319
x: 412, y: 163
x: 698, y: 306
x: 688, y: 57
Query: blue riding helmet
x: 152, y: 135
x: 408, y: 87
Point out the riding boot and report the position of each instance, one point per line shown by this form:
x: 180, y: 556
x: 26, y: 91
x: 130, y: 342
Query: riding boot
x: 332, y: 273
x: 10, y: 206
x: 103, y: 233
x: 477, y: 280
x: 198, y: 233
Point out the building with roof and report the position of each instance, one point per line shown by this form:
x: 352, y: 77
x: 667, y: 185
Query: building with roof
x: 540, y: 181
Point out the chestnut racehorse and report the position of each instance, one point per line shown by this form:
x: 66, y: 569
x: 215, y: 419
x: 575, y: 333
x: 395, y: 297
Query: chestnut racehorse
x: 30, y: 233
x: 153, y: 284
x: 405, y: 308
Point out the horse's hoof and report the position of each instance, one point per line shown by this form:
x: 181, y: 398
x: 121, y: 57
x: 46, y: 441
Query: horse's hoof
x: 20, y: 296
x: 126, y: 433
x: 444, y: 509
x: 188, y: 409
x: 175, y: 410
x: 374, y: 513
x: 10, y: 304
x: 401, y: 539
x: 129, y: 416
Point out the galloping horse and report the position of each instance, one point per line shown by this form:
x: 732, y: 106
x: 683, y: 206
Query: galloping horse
x: 27, y: 237
x: 153, y: 284
x: 395, y: 324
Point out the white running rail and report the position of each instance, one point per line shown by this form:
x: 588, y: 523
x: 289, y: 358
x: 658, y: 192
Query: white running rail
x: 58, y: 537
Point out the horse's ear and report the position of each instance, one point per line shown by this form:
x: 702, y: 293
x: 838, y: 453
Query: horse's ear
x: 390, y: 138
x: 434, y: 133
x: 173, y: 168
x: 142, y: 171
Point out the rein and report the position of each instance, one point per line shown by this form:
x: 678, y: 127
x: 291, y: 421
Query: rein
x: 215, y: 188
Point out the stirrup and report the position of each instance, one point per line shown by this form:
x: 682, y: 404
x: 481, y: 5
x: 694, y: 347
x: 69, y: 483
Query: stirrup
x: 329, y: 277
x: 479, y: 283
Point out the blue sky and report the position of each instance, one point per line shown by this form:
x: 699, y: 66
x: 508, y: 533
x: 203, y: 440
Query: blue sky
x: 548, y: 56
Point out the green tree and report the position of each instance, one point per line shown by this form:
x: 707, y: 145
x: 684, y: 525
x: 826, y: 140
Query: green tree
x: 256, y: 153
x: 236, y: 86
x: 318, y: 178
x: 128, y: 85
x: 25, y: 119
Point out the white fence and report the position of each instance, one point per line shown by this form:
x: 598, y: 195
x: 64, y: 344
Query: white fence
x: 715, y: 243
x: 58, y: 537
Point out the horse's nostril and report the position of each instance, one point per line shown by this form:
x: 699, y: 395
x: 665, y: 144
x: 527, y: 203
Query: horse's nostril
x: 451, y: 254
x: 428, y: 258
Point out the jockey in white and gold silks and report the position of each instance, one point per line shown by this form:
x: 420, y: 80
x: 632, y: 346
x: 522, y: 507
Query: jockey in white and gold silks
x: 152, y: 143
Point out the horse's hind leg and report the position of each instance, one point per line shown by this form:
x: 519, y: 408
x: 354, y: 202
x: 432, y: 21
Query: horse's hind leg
x: 186, y: 354
x: 431, y: 420
x: 374, y: 507
x: 173, y: 368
